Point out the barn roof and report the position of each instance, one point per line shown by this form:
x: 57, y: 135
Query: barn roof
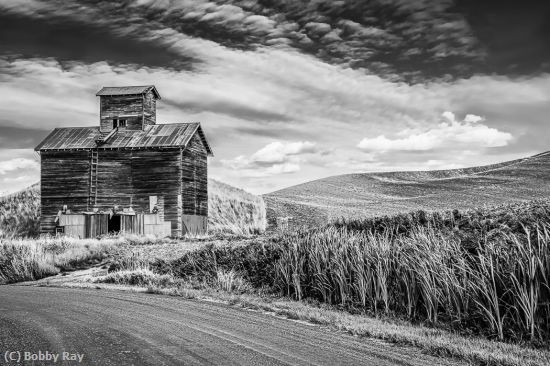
x: 128, y: 90
x: 161, y: 135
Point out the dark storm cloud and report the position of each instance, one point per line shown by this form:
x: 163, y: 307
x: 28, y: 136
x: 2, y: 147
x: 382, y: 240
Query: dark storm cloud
x: 272, y: 131
x: 377, y: 36
x: 398, y: 39
x: 515, y: 34
x: 69, y: 40
x: 384, y: 36
x: 231, y: 109
x: 12, y: 137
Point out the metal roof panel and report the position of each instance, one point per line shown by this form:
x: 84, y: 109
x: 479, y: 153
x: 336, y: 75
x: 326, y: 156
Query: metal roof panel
x: 162, y: 135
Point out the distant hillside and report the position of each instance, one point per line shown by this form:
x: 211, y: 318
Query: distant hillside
x: 231, y: 210
x: 375, y: 194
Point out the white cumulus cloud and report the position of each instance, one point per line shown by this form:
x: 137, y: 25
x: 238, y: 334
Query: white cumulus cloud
x: 273, y: 159
x: 451, y: 133
x: 16, y: 164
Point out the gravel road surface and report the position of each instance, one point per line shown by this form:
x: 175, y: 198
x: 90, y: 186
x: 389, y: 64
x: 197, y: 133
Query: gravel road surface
x: 125, y: 328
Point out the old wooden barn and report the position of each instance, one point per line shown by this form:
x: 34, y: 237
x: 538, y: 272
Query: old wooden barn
x: 127, y: 175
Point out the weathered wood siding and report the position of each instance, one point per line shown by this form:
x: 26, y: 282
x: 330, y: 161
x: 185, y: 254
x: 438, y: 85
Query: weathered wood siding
x: 155, y: 173
x: 119, y: 106
x: 194, y: 224
x: 149, y: 109
x: 127, y: 178
x: 194, y: 182
x: 64, y: 178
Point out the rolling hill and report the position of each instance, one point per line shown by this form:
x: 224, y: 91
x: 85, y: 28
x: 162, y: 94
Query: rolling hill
x: 375, y: 194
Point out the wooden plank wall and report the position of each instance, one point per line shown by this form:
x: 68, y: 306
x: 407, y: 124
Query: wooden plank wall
x: 114, y: 179
x: 149, y: 109
x: 113, y: 106
x: 195, y: 224
x: 64, y: 177
x: 74, y: 225
x: 156, y: 173
x: 96, y: 225
x: 194, y: 180
x: 127, y: 178
x: 132, y: 224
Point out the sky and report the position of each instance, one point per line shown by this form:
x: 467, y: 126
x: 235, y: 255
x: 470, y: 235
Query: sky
x: 287, y: 91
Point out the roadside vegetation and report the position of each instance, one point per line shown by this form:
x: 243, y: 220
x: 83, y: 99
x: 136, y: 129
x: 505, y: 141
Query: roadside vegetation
x: 33, y: 259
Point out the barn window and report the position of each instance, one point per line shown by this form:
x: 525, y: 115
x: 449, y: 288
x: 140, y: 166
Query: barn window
x: 119, y: 122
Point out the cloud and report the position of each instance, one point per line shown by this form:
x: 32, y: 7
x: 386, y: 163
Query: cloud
x: 278, y: 94
x: 28, y: 36
x: 274, y: 82
x: 273, y: 159
x: 17, y: 164
x: 451, y: 134
x: 19, y: 137
x: 341, y: 33
x: 472, y: 118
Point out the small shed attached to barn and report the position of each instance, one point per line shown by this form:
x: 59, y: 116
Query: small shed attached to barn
x: 127, y: 175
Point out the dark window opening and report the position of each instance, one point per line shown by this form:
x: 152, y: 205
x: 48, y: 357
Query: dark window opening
x: 113, y: 226
x: 119, y: 123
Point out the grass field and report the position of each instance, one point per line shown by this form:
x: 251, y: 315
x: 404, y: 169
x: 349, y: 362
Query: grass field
x: 456, y: 283
x: 375, y: 194
x: 230, y: 210
x: 469, y: 284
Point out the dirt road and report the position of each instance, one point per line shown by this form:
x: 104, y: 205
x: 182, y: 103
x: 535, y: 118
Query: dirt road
x: 124, y: 328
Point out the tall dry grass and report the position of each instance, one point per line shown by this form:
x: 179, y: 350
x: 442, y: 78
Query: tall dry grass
x: 484, y: 271
x: 233, y: 210
x: 33, y: 259
x: 500, y: 287
x: 20, y: 213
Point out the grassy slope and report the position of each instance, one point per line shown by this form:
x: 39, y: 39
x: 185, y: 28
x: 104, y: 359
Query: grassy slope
x: 234, y: 210
x: 231, y: 210
x: 20, y: 212
x: 375, y: 194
